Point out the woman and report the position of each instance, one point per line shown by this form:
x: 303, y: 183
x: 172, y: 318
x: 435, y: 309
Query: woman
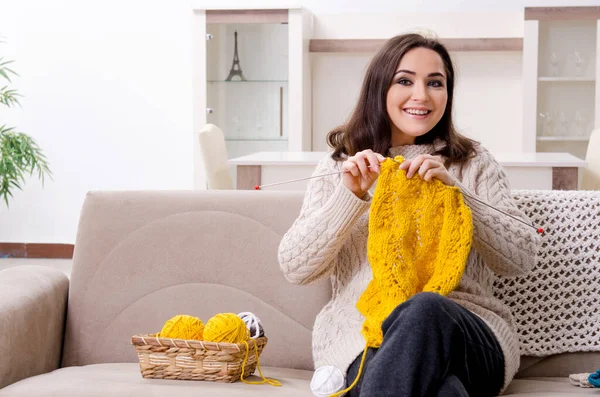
x: 462, y: 344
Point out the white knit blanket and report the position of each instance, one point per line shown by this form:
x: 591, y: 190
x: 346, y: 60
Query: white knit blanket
x: 557, y: 305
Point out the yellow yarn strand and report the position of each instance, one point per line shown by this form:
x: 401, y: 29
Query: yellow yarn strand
x: 272, y: 382
x: 183, y: 327
x: 360, y: 369
x: 230, y: 328
x: 420, y: 235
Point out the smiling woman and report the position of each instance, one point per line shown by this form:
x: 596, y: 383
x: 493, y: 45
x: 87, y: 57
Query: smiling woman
x: 405, y: 109
x: 406, y: 99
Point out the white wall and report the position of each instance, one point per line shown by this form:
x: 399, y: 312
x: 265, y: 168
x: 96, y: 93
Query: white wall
x: 108, y: 94
x: 347, y: 6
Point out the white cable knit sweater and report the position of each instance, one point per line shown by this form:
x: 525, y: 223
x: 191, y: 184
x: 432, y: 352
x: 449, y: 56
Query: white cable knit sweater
x: 329, y: 238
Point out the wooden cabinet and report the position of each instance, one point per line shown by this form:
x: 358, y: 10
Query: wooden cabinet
x: 252, y: 79
x: 560, y: 78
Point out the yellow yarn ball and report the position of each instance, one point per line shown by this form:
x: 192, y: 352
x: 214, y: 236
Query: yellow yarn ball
x: 183, y: 327
x: 226, y: 327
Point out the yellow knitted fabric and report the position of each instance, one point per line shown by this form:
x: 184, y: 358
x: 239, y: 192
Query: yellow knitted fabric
x: 420, y: 235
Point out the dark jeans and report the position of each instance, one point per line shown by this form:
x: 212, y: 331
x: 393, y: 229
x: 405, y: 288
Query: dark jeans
x: 432, y: 347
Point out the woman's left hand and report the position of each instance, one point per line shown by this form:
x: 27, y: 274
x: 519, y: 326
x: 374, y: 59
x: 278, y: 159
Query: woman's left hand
x: 427, y: 167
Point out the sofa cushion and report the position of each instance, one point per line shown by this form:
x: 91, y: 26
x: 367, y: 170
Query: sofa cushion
x: 546, y: 387
x: 559, y: 365
x: 124, y: 379
x: 556, y: 306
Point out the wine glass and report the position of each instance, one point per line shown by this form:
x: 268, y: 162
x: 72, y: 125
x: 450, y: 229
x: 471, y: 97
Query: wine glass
x: 547, y: 120
x: 259, y: 126
x: 580, y: 122
x: 554, y: 63
x: 564, y: 122
x: 236, y: 126
x: 579, y: 60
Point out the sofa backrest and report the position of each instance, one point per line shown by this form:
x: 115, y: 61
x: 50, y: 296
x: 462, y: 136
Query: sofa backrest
x: 142, y: 257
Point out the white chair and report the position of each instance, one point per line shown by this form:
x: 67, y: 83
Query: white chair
x: 214, y: 157
x: 590, y: 179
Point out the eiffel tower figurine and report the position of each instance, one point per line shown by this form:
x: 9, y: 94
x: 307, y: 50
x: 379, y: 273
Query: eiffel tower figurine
x: 236, y: 69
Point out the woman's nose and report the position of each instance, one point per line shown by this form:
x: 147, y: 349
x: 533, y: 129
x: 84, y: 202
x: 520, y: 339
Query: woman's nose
x: 420, y: 92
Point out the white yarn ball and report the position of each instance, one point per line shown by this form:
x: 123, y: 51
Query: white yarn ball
x: 326, y: 381
x: 253, y: 323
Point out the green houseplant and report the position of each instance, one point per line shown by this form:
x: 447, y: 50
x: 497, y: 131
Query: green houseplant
x: 20, y: 156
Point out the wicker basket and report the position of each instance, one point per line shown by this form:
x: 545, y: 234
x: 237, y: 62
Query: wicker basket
x: 165, y: 358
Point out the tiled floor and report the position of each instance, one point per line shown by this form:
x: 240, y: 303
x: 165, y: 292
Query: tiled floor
x: 64, y: 265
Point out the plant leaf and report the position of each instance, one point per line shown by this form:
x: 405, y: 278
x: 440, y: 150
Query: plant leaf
x: 20, y: 154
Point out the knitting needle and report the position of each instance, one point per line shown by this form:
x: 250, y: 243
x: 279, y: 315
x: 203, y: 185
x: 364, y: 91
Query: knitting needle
x: 538, y: 230
x: 259, y: 187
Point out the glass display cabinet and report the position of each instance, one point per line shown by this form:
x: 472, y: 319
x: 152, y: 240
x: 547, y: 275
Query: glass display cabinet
x: 560, y: 78
x: 252, y: 77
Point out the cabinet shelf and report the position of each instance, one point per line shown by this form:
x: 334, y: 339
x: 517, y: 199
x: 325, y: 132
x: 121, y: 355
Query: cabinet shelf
x: 256, y: 139
x: 245, y: 82
x: 452, y: 44
x: 560, y: 78
x: 566, y: 79
x: 563, y: 138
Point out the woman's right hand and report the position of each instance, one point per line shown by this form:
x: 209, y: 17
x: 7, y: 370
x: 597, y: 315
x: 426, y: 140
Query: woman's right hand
x: 359, y: 177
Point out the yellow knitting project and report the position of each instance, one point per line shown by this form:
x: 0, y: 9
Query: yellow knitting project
x: 420, y: 235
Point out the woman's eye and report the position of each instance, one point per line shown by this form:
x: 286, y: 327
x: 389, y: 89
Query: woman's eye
x: 436, y: 83
x: 404, y: 82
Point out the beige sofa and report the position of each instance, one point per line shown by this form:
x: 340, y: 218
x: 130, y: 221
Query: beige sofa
x: 142, y: 257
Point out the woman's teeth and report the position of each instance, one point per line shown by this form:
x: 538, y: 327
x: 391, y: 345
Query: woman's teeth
x: 417, y: 112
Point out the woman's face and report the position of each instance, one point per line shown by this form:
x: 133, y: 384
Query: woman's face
x: 417, y: 98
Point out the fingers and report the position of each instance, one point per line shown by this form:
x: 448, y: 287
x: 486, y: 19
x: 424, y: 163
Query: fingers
x: 367, y: 162
x: 439, y: 173
x: 374, y: 159
x: 361, y: 171
x: 351, y: 167
x: 427, y: 167
x: 414, y: 165
x: 407, y: 165
x: 430, y: 174
x: 364, y: 164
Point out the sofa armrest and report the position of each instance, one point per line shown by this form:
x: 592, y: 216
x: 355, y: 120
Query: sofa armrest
x: 33, y: 303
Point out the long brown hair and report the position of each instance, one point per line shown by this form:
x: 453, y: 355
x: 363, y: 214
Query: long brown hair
x: 369, y: 126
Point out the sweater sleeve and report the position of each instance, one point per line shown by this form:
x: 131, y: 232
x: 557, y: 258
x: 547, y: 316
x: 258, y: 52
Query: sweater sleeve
x: 506, y: 245
x: 308, y: 250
